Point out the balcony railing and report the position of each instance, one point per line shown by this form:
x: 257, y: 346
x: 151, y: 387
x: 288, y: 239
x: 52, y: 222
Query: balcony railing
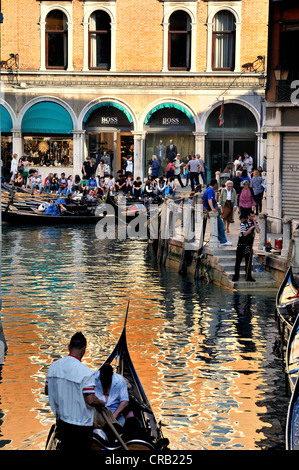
x: 283, y: 93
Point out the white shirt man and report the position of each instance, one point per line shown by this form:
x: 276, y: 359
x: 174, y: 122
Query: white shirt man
x: 70, y: 386
x: 248, y: 163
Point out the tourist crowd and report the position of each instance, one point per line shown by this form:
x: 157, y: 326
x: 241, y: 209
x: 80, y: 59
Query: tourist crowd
x: 245, y: 189
x: 96, y: 180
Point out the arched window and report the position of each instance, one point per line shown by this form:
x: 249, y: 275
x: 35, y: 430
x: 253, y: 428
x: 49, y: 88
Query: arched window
x: 56, y: 40
x: 99, y: 37
x: 179, y: 41
x: 223, y: 57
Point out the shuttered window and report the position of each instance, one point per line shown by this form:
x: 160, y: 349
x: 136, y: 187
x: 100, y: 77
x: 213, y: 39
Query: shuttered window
x: 290, y: 176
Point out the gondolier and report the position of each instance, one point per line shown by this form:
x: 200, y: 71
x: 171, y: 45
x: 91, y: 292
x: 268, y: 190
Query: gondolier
x: 70, y: 386
x: 244, y: 247
x: 141, y: 431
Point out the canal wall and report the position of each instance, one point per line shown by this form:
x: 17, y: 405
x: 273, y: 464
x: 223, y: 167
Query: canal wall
x: 199, y: 254
x: 213, y: 268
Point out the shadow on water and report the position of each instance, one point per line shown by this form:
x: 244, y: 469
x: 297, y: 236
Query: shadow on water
x: 205, y: 356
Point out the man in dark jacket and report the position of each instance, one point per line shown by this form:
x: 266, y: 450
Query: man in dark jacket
x: 155, y: 167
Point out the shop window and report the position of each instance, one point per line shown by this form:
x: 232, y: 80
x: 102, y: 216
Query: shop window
x: 223, y: 57
x: 179, y: 41
x: 183, y: 141
x: 56, y: 40
x: 49, y: 151
x: 99, y: 37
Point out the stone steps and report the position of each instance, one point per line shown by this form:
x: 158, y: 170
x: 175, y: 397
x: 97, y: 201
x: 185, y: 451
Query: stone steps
x: 223, y: 261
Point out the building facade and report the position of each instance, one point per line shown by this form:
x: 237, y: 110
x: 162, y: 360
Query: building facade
x: 85, y: 77
x: 282, y: 113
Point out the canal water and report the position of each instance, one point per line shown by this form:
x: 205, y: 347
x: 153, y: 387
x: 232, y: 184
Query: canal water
x: 207, y: 357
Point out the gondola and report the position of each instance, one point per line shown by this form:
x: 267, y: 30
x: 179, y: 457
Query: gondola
x: 287, y: 303
x: 27, y: 211
x: 148, y: 434
x: 292, y: 426
x: 26, y: 217
x: 292, y: 355
x: 128, y: 210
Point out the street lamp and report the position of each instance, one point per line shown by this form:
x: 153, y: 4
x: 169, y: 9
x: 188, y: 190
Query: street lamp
x: 280, y: 74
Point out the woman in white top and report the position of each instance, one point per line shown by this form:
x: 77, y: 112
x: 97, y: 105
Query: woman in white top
x: 228, y: 202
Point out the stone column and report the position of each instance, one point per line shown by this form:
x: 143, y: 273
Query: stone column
x: 115, y: 154
x: 200, y: 143
x: 286, y: 231
x: 139, y: 156
x: 17, y: 142
x: 198, y: 221
x: 214, y: 243
x: 263, y: 230
x: 78, y: 152
x: 260, y: 148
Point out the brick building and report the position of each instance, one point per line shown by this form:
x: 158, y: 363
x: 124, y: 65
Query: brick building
x: 84, y: 77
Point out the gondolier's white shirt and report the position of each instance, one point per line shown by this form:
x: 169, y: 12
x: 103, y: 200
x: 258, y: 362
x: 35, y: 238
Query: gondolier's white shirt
x: 68, y: 379
x: 118, y: 391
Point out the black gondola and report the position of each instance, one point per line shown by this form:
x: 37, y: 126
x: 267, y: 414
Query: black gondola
x: 287, y: 303
x: 26, y: 211
x: 126, y: 208
x: 147, y: 435
x: 292, y: 355
x: 292, y: 427
x: 19, y: 217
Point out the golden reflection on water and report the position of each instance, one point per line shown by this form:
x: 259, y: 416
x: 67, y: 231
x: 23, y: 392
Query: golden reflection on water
x: 201, y: 353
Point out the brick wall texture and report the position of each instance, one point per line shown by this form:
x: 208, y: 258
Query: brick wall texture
x: 139, y: 32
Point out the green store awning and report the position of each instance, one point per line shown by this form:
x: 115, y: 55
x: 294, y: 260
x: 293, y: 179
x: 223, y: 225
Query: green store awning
x: 169, y: 105
x: 107, y: 104
x: 47, y: 118
x: 5, y: 120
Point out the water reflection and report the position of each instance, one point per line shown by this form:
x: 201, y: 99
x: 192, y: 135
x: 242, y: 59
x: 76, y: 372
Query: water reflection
x: 205, y: 356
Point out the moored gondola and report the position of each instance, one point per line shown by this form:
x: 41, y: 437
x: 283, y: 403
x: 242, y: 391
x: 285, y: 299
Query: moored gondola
x: 126, y: 208
x: 20, y: 217
x: 292, y: 355
x: 287, y: 303
x: 142, y: 432
x: 292, y: 427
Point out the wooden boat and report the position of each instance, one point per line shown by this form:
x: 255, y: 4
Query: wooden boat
x: 287, y: 303
x: 128, y: 209
x: 20, y: 210
x: 148, y: 434
x: 19, y: 217
x: 292, y: 355
x: 292, y: 426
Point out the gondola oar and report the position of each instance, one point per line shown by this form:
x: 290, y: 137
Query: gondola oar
x: 118, y: 437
